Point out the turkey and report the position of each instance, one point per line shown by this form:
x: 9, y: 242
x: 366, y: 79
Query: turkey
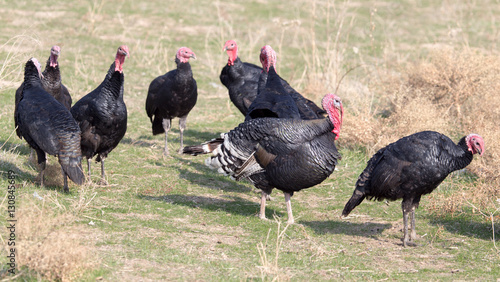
x: 275, y: 96
x: 411, y: 167
x: 283, y: 153
x: 172, y: 95
x: 48, y: 126
x: 272, y: 99
x: 51, y: 82
x: 102, y: 114
x: 241, y: 79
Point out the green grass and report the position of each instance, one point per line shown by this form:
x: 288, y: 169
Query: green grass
x: 173, y: 218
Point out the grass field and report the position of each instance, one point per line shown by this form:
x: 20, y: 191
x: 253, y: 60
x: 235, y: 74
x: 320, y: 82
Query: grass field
x: 399, y: 66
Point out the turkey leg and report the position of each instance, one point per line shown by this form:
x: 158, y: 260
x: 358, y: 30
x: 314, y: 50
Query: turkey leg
x: 166, y: 126
x: 65, y: 177
x: 182, y: 126
x: 103, y: 175
x: 407, y: 208
x: 41, y: 163
x: 262, y: 214
x: 88, y: 166
x: 289, y: 208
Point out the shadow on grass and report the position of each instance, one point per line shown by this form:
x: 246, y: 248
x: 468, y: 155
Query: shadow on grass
x: 206, y: 177
x: 366, y: 229
x: 466, y: 226
x: 138, y: 142
x: 230, y: 204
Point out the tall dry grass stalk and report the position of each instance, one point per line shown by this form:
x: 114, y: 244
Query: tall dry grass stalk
x: 270, y: 266
x: 18, y: 50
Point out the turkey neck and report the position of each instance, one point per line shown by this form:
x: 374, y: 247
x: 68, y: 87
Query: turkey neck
x: 466, y: 159
x: 114, y: 86
x: 184, y: 72
x: 51, y: 76
x: 273, y: 77
x: 31, y: 76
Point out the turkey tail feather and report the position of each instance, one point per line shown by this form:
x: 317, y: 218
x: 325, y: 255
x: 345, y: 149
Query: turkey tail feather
x: 70, y: 157
x: 75, y: 173
x: 205, y: 148
x: 158, y: 126
x: 355, y: 200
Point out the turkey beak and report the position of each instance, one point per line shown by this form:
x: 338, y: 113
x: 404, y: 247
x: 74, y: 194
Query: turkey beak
x: 193, y: 56
x: 225, y: 49
x: 480, y: 150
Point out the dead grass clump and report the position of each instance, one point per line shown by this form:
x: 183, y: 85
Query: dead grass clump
x: 48, y: 243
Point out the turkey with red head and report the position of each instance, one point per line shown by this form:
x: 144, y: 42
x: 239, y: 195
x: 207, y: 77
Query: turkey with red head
x: 172, y: 95
x: 272, y: 99
x: 102, y: 114
x: 276, y: 98
x: 240, y: 78
x: 243, y: 79
x: 411, y: 167
x: 284, y: 153
x: 51, y: 80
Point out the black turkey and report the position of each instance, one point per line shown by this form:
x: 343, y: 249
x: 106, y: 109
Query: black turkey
x: 51, y: 81
x: 243, y: 79
x: 240, y: 78
x: 172, y: 95
x: 277, y: 101
x: 272, y: 99
x: 102, y: 114
x: 48, y: 126
x: 283, y: 153
x: 411, y: 167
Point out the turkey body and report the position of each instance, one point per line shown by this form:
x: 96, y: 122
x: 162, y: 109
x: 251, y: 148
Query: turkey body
x: 411, y: 167
x: 284, y: 153
x: 48, y: 127
x: 102, y: 114
x: 172, y: 95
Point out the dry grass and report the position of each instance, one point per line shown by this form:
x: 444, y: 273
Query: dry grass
x: 48, y: 240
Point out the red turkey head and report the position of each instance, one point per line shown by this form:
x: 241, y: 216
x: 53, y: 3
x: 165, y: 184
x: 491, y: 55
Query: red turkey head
x: 475, y: 143
x: 267, y: 57
x: 184, y: 53
x: 333, y: 106
x: 54, y: 54
x: 120, y: 57
x: 232, y: 51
